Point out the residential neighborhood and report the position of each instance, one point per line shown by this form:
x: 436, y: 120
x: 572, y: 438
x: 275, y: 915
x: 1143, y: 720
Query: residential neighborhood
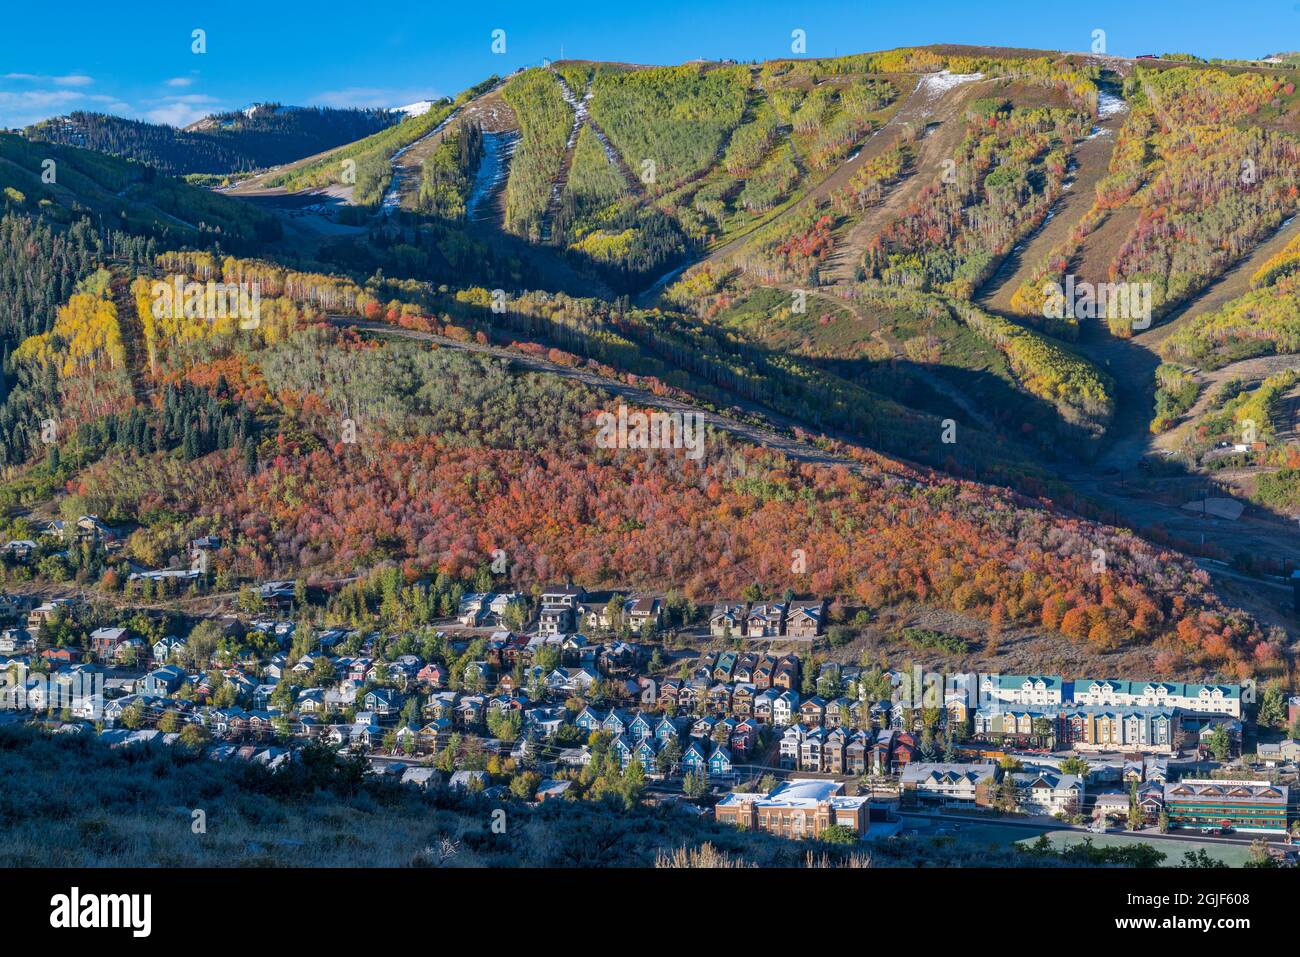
x: 748, y: 718
x: 446, y: 447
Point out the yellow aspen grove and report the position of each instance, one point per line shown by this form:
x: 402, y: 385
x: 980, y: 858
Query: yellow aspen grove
x: 87, y: 326
x: 141, y: 290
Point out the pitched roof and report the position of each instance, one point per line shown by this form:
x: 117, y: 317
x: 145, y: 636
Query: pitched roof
x: 918, y: 772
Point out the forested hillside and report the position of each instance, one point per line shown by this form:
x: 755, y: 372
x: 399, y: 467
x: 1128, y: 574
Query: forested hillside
x: 1265, y: 320
x: 801, y: 248
x: 41, y: 264
x: 240, y: 433
x: 370, y: 172
x: 267, y: 134
x: 1206, y: 184
x: 63, y: 183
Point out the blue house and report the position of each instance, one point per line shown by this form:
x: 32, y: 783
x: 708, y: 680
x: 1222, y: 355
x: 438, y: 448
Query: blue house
x: 644, y: 751
x: 668, y: 729
x: 382, y: 701
x: 163, y: 681
x: 720, y: 762
x: 262, y: 695
x: 589, y: 719
x: 640, y: 727
x: 617, y: 721
x: 623, y: 748
x: 694, y: 759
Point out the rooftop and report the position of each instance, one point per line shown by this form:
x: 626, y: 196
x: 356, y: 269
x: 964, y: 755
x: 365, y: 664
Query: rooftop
x: 797, y: 793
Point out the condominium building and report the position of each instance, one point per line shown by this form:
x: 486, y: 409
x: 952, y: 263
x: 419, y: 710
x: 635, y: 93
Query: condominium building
x: 1240, y: 805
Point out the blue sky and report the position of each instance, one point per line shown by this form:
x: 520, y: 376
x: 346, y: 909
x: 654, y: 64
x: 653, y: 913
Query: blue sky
x: 96, y: 56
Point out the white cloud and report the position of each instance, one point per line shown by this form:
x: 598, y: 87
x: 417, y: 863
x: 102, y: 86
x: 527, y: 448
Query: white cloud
x: 23, y: 107
x: 37, y: 99
x: 110, y: 104
x: 70, y: 79
x: 371, y: 97
x: 182, y: 110
x: 194, y: 99
x: 175, y: 114
x: 180, y: 81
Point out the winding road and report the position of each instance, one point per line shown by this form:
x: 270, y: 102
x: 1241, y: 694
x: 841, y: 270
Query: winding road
x: 925, y: 111
x: 766, y: 437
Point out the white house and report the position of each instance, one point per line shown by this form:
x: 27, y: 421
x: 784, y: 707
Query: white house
x: 785, y: 708
x: 1049, y: 792
x: 949, y: 782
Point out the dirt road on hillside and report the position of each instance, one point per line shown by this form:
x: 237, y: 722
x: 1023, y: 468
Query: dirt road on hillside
x: 1249, y: 370
x: 923, y: 106
x: 1133, y: 361
x: 1090, y: 161
x: 1248, y: 533
x: 768, y: 438
x: 926, y: 115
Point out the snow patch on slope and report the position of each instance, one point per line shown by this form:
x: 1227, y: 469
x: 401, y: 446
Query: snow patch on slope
x: 1108, y: 104
x: 393, y: 195
x: 280, y: 109
x: 418, y: 108
x: 492, y: 172
x: 934, y: 85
